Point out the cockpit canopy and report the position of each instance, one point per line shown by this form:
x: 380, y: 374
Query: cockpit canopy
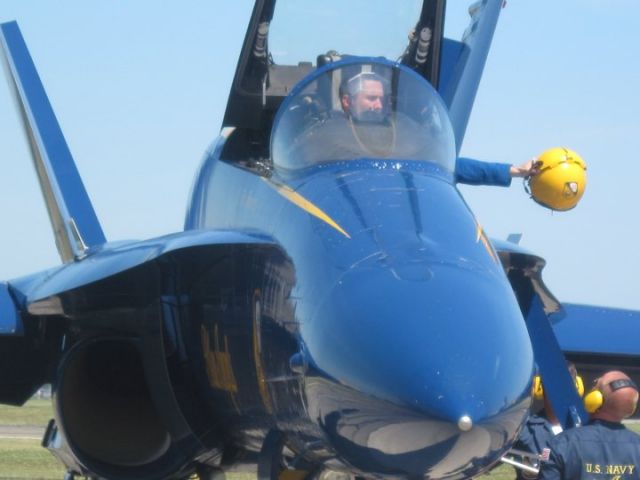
x: 287, y: 39
x: 404, y: 118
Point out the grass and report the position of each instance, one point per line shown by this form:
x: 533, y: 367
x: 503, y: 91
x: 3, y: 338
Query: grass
x: 34, y: 412
x: 22, y: 458
x: 503, y: 472
x: 26, y: 459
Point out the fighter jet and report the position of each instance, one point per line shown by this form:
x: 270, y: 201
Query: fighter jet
x: 332, y: 306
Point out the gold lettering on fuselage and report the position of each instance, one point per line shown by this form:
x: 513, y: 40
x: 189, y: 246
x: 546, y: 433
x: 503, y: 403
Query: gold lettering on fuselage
x: 218, y: 362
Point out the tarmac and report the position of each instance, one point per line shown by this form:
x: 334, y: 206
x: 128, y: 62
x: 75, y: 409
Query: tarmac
x: 33, y: 432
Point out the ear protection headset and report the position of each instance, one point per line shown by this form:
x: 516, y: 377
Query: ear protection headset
x: 595, y: 398
x: 538, y: 392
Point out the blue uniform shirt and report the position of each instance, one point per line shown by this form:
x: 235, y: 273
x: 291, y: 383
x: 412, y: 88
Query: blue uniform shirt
x: 599, y: 450
x: 475, y: 172
x: 534, y: 437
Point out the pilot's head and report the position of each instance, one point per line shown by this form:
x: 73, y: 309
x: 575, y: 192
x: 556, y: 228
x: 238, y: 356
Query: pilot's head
x: 363, y: 97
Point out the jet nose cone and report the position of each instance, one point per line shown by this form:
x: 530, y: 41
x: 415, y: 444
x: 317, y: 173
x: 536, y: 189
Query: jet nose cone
x: 442, y: 362
x: 382, y: 438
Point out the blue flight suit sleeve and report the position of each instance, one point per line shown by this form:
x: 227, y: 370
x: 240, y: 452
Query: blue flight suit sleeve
x: 553, y: 467
x: 534, y: 437
x: 475, y: 172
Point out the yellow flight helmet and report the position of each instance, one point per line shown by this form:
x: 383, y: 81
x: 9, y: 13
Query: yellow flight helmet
x: 561, y: 181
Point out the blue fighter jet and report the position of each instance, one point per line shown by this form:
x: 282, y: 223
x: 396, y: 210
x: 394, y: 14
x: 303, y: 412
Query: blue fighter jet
x: 332, y: 305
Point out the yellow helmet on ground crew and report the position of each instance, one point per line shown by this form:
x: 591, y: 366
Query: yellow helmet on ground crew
x: 561, y: 181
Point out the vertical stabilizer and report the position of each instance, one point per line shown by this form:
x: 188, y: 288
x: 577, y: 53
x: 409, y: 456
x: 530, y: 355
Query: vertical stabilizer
x: 73, y: 219
x: 462, y: 64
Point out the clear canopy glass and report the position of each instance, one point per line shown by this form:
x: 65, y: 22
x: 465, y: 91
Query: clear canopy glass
x: 355, y: 109
x: 300, y: 31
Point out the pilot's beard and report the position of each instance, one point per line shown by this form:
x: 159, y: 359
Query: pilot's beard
x: 369, y: 116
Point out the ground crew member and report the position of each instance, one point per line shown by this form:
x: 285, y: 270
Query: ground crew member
x: 541, y: 427
x: 603, y: 449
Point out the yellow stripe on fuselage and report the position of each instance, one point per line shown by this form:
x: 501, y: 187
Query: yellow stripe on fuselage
x: 480, y: 235
x: 306, y: 205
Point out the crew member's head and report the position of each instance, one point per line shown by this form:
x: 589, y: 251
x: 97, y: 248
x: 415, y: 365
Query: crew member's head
x: 617, y: 396
x: 540, y: 394
x: 363, y: 97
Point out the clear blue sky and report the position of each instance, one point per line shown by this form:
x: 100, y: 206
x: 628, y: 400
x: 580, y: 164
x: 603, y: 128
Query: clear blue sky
x: 140, y: 88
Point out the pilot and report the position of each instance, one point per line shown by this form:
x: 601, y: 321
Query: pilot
x: 360, y: 129
x: 363, y: 100
x: 541, y: 427
x: 363, y: 97
x: 603, y: 448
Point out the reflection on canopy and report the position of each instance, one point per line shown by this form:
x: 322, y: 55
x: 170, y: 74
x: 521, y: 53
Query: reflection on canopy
x: 313, y: 125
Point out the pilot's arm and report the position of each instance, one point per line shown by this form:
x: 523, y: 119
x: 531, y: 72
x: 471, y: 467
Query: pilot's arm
x: 476, y: 172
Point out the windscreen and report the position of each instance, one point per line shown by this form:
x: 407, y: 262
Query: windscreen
x: 355, y: 109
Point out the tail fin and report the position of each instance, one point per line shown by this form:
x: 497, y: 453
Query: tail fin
x: 73, y: 219
x: 462, y: 64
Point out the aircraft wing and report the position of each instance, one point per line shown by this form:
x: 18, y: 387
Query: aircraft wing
x: 582, y: 330
x: 598, y: 339
x: 122, y: 277
x: 524, y: 270
x: 585, y: 329
x: 113, y: 260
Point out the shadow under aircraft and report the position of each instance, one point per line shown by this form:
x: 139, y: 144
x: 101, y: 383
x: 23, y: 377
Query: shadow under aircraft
x: 332, y: 305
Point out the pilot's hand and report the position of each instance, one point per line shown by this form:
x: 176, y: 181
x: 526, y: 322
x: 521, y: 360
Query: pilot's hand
x: 529, y: 168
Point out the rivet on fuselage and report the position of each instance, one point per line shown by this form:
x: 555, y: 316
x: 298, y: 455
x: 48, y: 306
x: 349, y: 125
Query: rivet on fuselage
x: 465, y: 423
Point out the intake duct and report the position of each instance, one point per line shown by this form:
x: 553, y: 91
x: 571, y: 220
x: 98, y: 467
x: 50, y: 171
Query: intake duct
x: 117, y: 416
x: 104, y: 405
